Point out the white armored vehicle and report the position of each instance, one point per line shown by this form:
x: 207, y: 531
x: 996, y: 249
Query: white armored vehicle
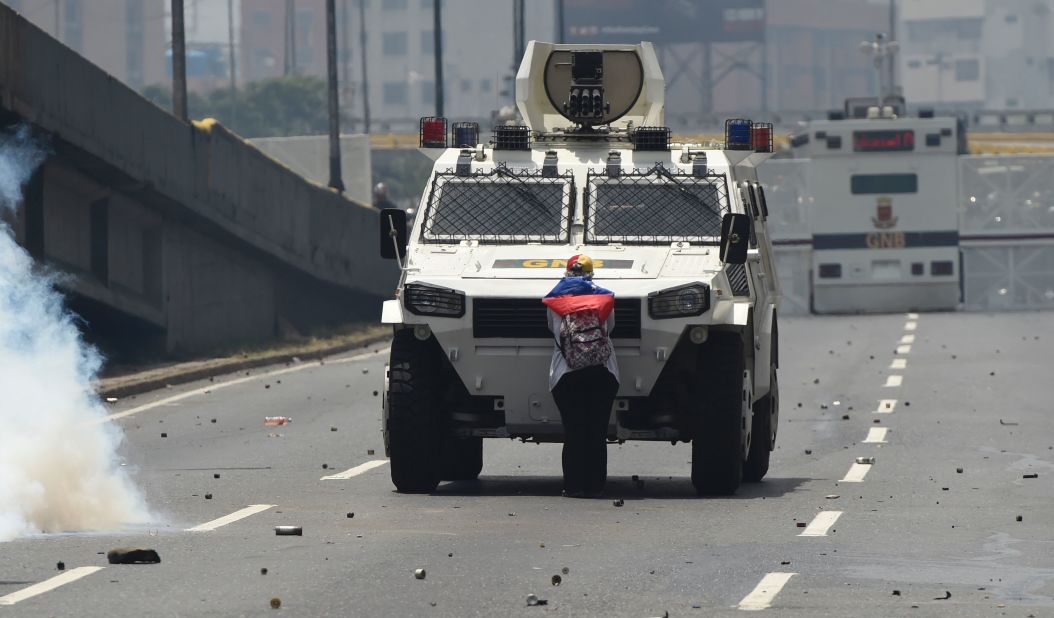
x: 678, y: 232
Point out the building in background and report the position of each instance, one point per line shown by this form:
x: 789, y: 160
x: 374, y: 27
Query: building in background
x: 126, y: 38
x: 478, y: 62
x: 977, y: 54
x: 743, y: 56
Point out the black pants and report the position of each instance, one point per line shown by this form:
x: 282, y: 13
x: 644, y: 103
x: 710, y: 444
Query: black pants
x: 584, y: 398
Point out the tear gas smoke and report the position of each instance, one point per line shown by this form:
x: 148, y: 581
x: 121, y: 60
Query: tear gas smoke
x: 58, y: 463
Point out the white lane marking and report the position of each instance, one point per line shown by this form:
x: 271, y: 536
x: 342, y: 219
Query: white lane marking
x: 911, y: 325
x: 252, y: 509
x: 886, y: 406
x: 220, y: 385
x: 48, y: 584
x: 913, y: 316
x: 907, y: 339
x: 899, y: 363
x: 893, y: 381
x: 357, y: 470
x: 763, y: 594
x: 856, y: 473
x: 821, y: 523
x: 904, y: 349
x: 876, y: 435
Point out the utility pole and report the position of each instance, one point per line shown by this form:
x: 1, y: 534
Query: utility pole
x: 437, y: 30
x: 560, y: 21
x: 345, y: 56
x: 335, y: 181
x: 230, y: 61
x: 179, y: 62
x: 290, y: 38
x: 892, y: 37
x: 365, y: 75
x: 517, y: 34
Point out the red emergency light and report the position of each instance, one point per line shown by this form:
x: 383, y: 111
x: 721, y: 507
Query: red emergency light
x: 761, y: 136
x: 433, y: 132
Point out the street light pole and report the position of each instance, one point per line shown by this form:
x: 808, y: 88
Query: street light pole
x: 365, y: 74
x: 230, y: 61
x: 179, y: 62
x: 335, y: 181
x: 437, y: 30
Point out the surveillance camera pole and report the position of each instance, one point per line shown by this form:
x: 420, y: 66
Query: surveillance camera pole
x: 881, y: 49
x: 335, y: 180
x: 179, y: 62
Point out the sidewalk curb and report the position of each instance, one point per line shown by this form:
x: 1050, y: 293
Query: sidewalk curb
x: 235, y: 364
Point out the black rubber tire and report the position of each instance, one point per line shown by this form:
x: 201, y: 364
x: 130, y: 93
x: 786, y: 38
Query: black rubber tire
x: 462, y: 459
x: 415, y: 421
x: 717, y: 451
x: 762, y: 440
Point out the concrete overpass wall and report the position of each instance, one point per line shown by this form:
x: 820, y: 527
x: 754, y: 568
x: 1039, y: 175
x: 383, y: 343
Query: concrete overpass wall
x: 198, y: 236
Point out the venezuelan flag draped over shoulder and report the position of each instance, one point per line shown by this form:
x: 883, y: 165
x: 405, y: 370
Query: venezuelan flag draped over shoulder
x: 573, y: 294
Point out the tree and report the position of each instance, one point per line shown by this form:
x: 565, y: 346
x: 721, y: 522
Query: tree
x: 293, y: 105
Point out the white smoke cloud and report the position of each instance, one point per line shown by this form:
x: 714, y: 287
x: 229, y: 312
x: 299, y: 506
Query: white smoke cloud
x: 58, y: 469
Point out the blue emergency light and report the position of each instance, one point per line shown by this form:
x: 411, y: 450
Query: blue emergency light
x: 739, y: 134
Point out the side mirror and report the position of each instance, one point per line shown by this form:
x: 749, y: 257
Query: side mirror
x: 393, y: 233
x: 735, y: 234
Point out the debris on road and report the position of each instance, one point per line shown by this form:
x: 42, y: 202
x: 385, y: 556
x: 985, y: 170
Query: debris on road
x: 557, y: 580
x: 325, y: 466
x: 61, y: 566
x: 808, y: 451
x: 533, y: 600
x: 216, y: 475
x: 785, y: 562
x: 275, y: 421
x: 374, y: 393
x: 800, y: 524
x: 332, y: 428
x: 832, y: 496
x: 164, y: 434
x: 896, y: 593
x: 845, y: 417
x: 947, y: 595
x: 351, y: 515
x: 565, y: 570
x: 618, y: 502
x: 958, y: 470
x: 208, y: 496
x: 1002, y: 422
x: 289, y: 531
x: 1019, y: 518
x: 132, y: 555
x: 865, y: 460
x: 276, y: 603
x: 419, y: 573
x: 213, y: 420
x: 111, y: 400
x: 263, y: 571
x: 1034, y: 475
x: 369, y: 451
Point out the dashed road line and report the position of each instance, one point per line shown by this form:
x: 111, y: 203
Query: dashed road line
x: 904, y: 349
x: 221, y: 385
x: 907, y: 339
x: 252, y: 509
x: 876, y: 435
x: 765, y: 592
x: 49, y: 584
x: 911, y: 325
x: 821, y: 523
x: 899, y: 363
x: 856, y: 473
x: 886, y: 406
x: 893, y: 381
x: 357, y: 470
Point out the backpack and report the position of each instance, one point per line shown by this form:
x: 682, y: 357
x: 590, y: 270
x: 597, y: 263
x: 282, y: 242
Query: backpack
x: 583, y: 340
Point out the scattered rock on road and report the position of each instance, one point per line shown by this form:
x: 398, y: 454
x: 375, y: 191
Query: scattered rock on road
x: 132, y: 555
x: 61, y: 566
x: 419, y: 573
x: 276, y: 603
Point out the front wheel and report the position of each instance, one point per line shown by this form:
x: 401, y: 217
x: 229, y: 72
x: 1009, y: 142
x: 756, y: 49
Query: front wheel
x: 462, y: 459
x: 414, y: 423
x: 717, y: 443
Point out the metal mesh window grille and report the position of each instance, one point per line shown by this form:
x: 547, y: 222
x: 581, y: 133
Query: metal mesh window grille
x: 654, y: 206
x: 502, y: 205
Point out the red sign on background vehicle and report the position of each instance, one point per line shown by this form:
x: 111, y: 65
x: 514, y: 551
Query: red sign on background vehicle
x: 884, y: 141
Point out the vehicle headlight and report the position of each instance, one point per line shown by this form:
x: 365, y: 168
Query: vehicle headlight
x: 424, y: 299
x: 683, y: 301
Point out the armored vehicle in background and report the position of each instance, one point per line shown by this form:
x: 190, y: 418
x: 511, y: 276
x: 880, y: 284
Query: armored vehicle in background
x: 677, y: 231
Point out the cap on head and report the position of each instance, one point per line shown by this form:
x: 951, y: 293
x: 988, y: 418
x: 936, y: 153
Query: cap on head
x: 580, y: 266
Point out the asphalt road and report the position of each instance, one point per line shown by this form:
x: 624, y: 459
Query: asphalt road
x: 974, y: 393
